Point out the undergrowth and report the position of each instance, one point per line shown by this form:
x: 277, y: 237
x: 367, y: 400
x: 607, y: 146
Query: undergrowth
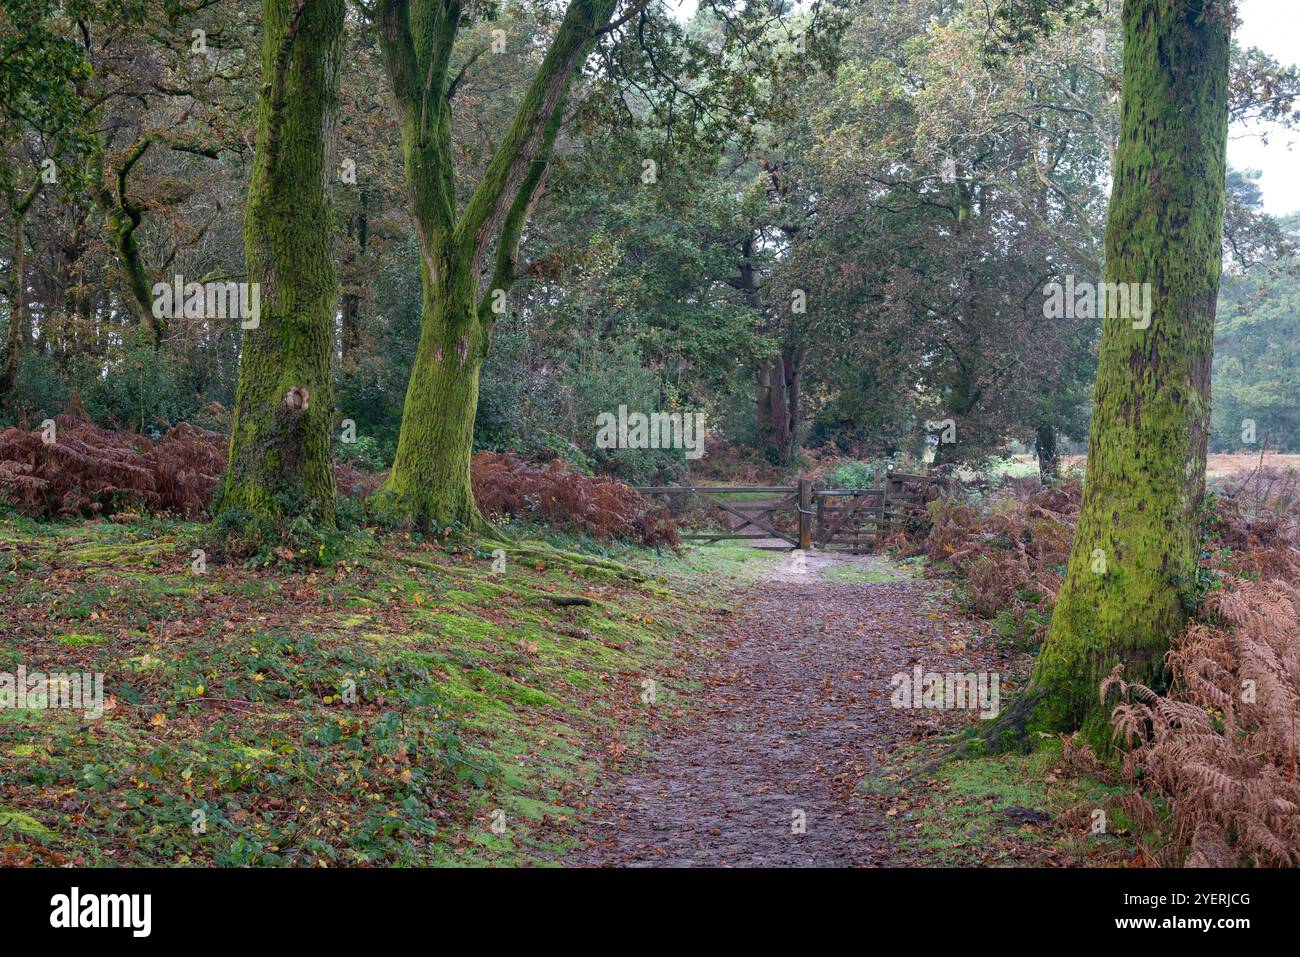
x: 1211, y: 760
x: 73, y: 468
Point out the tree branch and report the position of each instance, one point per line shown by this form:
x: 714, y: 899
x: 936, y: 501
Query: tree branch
x: 504, y: 272
x: 523, y: 142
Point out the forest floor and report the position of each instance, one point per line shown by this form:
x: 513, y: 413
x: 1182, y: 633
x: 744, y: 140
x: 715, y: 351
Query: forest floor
x: 414, y: 705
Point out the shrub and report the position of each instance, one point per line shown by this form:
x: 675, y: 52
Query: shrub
x: 92, y: 471
x: 854, y: 474
x: 143, y: 389
x: 1010, y: 550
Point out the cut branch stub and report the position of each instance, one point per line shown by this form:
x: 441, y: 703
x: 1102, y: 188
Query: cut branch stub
x: 296, y: 398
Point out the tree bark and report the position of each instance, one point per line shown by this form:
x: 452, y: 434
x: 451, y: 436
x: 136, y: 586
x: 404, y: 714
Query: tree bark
x: 19, y: 324
x: 280, y: 441
x: 1134, y: 557
x: 776, y: 379
x: 778, y: 404
x: 1049, y: 459
x: 350, y: 333
x: 429, y: 484
x: 122, y: 218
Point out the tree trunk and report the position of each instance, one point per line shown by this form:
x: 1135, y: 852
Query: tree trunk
x: 280, y: 442
x: 122, y: 217
x: 350, y: 333
x: 763, y: 401
x: 778, y: 404
x: 963, y: 397
x: 429, y: 484
x: 1134, y: 558
x: 776, y: 380
x: 19, y: 324
x: 1049, y: 459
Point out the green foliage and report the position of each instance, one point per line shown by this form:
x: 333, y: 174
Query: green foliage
x: 41, y: 62
x: 139, y: 389
x: 365, y: 452
x: 40, y: 391
x: 1257, y: 357
x: 863, y: 474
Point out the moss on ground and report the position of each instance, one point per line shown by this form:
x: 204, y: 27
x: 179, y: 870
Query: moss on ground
x: 1003, y: 810
x: 409, y: 706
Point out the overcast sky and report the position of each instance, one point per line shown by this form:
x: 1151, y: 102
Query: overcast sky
x: 1274, y: 27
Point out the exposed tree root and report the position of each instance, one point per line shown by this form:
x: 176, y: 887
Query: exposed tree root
x: 1010, y: 732
x: 586, y: 565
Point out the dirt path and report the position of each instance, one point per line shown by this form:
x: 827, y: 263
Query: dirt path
x: 796, y: 711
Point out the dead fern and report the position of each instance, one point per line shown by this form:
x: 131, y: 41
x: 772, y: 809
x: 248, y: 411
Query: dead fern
x: 91, y: 471
x: 1008, y: 549
x: 1220, y: 751
x: 508, y: 485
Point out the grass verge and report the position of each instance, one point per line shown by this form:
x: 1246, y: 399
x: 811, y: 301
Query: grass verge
x: 410, y: 705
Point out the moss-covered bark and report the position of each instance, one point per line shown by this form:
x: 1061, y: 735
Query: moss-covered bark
x: 280, y: 438
x: 122, y: 217
x: 429, y: 484
x: 1135, y: 548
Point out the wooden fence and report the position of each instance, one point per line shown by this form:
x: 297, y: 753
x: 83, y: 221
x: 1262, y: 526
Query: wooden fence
x: 853, y: 520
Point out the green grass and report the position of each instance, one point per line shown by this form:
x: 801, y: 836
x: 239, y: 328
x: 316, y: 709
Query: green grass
x: 380, y: 711
x: 1011, y: 468
x: 1005, y: 810
x: 725, y: 564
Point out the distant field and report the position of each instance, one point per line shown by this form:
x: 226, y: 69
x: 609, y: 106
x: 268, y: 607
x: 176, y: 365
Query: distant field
x: 1217, y: 465
x: 1225, y: 464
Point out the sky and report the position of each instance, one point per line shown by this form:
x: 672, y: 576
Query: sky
x: 1274, y: 27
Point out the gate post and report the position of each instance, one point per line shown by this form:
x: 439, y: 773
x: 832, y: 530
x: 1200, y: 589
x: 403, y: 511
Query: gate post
x: 886, y: 525
x: 805, y: 514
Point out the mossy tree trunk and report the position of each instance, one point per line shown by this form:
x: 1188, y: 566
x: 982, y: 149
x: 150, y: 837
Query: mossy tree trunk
x: 1135, y: 548
x: 350, y: 331
x: 429, y: 485
x: 122, y: 217
x: 280, y: 434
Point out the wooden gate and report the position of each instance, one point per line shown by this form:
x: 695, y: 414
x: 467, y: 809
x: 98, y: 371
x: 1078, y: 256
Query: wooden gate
x: 848, y: 520
x: 754, y: 511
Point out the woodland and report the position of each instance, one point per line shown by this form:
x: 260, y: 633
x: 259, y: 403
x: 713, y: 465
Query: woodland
x: 322, y: 324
